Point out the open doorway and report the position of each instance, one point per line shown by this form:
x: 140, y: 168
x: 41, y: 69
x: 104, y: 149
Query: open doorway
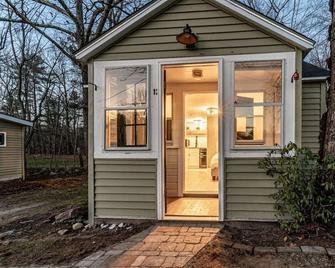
x: 191, y: 140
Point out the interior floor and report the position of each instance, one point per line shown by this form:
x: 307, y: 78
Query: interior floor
x: 189, y: 206
x: 200, y: 180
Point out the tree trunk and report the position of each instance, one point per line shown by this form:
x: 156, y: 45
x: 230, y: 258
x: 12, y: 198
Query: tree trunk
x: 328, y: 145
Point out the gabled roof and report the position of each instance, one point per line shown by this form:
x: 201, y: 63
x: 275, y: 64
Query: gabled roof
x: 116, y: 33
x: 15, y: 120
x: 313, y: 73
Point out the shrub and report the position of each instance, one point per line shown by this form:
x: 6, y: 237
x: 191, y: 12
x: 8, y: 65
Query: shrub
x: 305, y: 186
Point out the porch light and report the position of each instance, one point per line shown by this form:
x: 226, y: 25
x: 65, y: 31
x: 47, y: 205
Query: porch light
x: 187, y: 37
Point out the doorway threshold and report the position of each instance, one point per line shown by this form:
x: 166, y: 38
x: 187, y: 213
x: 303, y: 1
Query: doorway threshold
x: 201, y: 194
x: 191, y: 218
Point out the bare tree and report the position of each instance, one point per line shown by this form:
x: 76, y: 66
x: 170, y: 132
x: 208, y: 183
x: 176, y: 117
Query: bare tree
x: 308, y: 17
x: 69, y: 24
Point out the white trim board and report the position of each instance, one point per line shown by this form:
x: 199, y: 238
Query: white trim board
x: 15, y: 120
x: 318, y: 78
x: 112, y: 36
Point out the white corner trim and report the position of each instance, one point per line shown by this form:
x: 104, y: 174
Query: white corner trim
x: 15, y: 120
x: 119, y: 31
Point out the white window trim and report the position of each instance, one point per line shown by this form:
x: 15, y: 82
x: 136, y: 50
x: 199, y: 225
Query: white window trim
x: 288, y: 103
x: 247, y: 147
x: 5, y: 140
x: 100, y: 150
x: 145, y: 107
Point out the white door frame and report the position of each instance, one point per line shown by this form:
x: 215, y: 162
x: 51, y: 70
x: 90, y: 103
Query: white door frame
x: 161, y: 172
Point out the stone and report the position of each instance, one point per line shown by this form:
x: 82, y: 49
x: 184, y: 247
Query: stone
x: 121, y: 225
x: 288, y: 250
x: 103, y: 226
x: 63, y: 231
x: 69, y: 214
x: 88, y: 226
x: 243, y: 247
x: 112, y: 227
x: 77, y: 226
x: 192, y: 239
x: 264, y: 250
x: 313, y: 250
x: 114, y: 252
x: 331, y: 251
x: 5, y: 234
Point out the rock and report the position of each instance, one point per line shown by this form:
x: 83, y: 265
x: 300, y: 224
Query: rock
x: 243, y: 247
x: 25, y: 222
x: 52, y: 174
x: 69, y: 214
x: 331, y: 251
x: 112, y: 227
x: 8, y: 233
x: 63, y: 232
x: 77, y: 226
x: 104, y: 226
x: 88, y: 226
x: 121, y: 225
x: 288, y: 250
x: 313, y: 250
x: 264, y: 250
x: 129, y: 227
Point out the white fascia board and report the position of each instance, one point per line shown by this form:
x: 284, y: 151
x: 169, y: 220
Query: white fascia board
x: 258, y: 19
x: 318, y: 78
x: 119, y: 31
x: 12, y: 119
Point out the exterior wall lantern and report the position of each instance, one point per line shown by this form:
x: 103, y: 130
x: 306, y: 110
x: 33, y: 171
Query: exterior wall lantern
x: 187, y: 37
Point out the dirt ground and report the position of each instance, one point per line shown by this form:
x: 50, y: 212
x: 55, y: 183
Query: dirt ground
x: 27, y: 211
x: 218, y: 254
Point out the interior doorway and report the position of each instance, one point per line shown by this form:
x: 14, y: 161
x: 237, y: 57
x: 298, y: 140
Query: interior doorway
x: 191, y: 140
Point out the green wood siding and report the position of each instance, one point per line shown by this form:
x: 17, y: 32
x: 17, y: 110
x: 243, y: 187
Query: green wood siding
x: 248, y: 190
x: 11, y: 156
x: 312, y: 107
x: 219, y: 33
x: 125, y: 188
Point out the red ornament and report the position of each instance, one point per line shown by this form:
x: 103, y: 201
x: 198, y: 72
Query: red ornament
x: 295, y: 77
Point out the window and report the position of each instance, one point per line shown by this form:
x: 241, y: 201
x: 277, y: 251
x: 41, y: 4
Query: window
x: 3, y: 141
x: 168, y: 117
x: 258, y: 103
x: 126, y: 107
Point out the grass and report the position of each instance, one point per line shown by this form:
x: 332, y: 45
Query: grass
x: 48, y: 161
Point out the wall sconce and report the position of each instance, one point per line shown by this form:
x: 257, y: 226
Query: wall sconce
x: 212, y: 111
x: 295, y: 77
x: 187, y: 37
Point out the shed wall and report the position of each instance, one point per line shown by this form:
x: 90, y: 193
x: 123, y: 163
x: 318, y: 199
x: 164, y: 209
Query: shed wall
x: 12, y: 156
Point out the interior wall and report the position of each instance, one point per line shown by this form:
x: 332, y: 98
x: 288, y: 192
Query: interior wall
x: 175, y: 184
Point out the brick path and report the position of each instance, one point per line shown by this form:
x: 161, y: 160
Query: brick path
x: 164, y: 245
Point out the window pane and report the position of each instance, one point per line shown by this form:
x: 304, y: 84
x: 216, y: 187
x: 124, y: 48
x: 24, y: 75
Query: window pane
x: 126, y: 86
x: 122, y: 130
x: 258, y: 125
x: 2, y: 139
x: 259, y: 81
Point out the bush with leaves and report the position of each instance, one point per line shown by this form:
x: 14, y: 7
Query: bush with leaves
x: 305, y: 186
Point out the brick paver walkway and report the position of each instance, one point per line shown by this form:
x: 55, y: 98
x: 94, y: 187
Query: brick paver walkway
x: 164, y: 245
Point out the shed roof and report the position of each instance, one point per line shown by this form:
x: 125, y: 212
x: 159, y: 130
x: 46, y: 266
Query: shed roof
x: 312, y: 72
x: 144, y: 15
x: 12, y: 119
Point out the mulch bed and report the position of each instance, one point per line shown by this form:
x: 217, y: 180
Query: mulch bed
x: 219, y: 253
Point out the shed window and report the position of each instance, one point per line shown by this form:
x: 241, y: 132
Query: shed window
x: 3, y: 141
x: 258, y: 103
x: 126, y: 107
